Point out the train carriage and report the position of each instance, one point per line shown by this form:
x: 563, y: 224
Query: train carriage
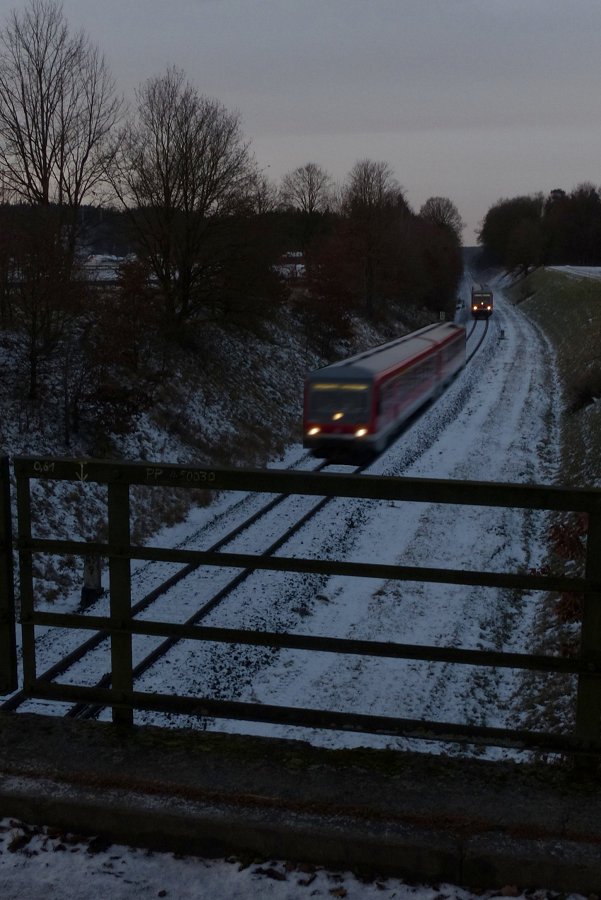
x: 482, y: 304
x: 356, y: 405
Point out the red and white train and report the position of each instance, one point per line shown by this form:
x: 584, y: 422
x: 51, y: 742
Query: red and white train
x: 355, y: 406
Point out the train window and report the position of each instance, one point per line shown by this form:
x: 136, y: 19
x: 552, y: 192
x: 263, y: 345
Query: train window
x: 399, y: 389
x: 348, y: 403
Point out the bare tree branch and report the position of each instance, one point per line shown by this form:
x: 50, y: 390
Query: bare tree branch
x: 182, y: 168
x: 443, y: 212
x: 57, y: 108
x: 308, y: 188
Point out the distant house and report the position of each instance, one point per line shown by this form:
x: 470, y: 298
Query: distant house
x: 101, y: 268
x: 291, y: 265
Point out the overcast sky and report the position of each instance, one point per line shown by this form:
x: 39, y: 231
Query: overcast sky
x: 469, y: 99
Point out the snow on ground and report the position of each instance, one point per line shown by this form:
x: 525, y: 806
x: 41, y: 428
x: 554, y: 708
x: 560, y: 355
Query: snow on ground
x: 42, y: 866
x: 578, y: 271
x: 496, y: 422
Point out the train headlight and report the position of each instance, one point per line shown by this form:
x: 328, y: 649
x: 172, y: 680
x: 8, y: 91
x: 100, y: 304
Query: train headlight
x: 361, y: 432
x: 313, y: 431
x: 489, y: 307
x: 474, y: 309
x: 337, y: 415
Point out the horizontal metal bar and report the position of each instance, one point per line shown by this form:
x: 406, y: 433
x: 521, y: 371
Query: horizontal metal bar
x: 317, y: 718
x: 281, y: 640
x: 520, y: 581
x: 473, y: 493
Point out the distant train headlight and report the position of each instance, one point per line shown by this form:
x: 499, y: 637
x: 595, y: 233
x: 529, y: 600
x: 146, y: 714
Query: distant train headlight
x: 337, y: 415
x: 361, y: 432
x: 474, y: 308
x: 489, y: 307
x: 314, y: 430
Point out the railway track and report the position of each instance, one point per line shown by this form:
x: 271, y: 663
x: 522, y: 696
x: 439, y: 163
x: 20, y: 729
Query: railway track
x: 471, y: 331
x: 86, y: 711
x: 475, y: 349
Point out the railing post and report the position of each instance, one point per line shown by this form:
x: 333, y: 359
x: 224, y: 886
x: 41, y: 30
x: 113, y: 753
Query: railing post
x: 120, y: 596
x: 8, y: 653
x: 588, y: 702
x: 26, y: 582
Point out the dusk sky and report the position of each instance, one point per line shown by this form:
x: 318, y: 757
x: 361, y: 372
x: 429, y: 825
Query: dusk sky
x: 469, y: 99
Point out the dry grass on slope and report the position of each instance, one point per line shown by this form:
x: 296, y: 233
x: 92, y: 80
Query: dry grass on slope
x: 568, y: 311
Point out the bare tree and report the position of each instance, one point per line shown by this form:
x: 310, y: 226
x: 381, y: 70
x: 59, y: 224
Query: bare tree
x: 9, y: 245
x: 308, y: 188
x: 45, y: 298
x: 374, y: 204
x: 57, y: 108
x: 181, y: 170
x: 371, y: 185
x: 262, y: 194
x: 443, y: 212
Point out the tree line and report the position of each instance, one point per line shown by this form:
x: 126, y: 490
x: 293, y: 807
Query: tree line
x: 558, y: 229
x: 201, y: 226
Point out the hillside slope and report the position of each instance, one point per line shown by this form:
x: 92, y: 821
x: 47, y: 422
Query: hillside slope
x: 226, y: 398
x: 567, y: 308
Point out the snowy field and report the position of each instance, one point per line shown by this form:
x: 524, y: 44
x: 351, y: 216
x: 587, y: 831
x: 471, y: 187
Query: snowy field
x: 578, y: 271
x: 496, y: 422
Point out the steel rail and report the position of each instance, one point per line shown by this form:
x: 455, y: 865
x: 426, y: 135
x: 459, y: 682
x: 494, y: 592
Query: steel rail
x: 480, y: 340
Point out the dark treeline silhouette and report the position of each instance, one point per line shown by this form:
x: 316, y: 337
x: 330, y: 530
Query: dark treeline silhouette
x: 560, y: 229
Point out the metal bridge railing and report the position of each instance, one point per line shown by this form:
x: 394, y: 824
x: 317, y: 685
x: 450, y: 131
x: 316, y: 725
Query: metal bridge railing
x: 121, y: 625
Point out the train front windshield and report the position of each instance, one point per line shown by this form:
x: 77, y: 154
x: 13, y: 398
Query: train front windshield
x: 344, y: 402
